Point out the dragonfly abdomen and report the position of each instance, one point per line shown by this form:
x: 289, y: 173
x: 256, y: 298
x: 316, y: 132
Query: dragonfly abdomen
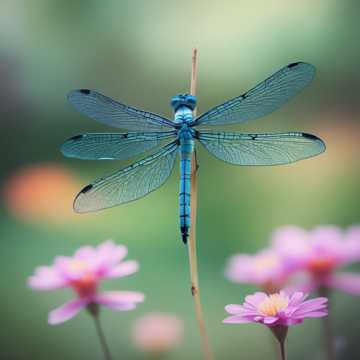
x: 186, y: 153
x: 187, y: 148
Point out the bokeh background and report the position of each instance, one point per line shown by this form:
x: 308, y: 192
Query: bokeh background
x: 139, y: 52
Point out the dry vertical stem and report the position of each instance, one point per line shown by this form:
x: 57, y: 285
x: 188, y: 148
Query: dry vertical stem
x: 192, y: 237
x: 193, y: 75
x: 94, y: 312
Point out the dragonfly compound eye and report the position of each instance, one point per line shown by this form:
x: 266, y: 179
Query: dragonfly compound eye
x: 183, y: 100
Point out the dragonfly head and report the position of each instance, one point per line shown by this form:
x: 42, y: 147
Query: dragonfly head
x: 183, y: 100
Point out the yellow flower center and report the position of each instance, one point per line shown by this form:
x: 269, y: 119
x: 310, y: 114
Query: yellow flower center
x: 78, y: 266
x: 273, y: 304
x: 86, y: 282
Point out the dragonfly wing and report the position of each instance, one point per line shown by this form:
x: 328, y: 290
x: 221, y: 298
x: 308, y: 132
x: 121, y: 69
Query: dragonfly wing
x: 128, y: 184
x: 263, y: 99
x: 261, y: 149
x: 113, y: 113
x: 112, y: 146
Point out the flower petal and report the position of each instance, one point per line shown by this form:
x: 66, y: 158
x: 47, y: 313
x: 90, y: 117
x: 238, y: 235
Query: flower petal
x: 294, y: 321
x: 311, y: 314
x: 290, y: 240
x: 270, y: 320
x: 353, y: 232
x: 45, y: 279
x: 304, y: 285
x: 234, y: 309
x: 261, y: 268
x: 67, y: 311
x: 120, y: 300
x: 296, y: 298
x: 255, y: 299
x: 319, y: 313
x: 326, y: 234
x: 85, y: 252
x: 237, y: 319
x: 121, y: 307
x: 124, y: 269
x: 310, y: 306
x: 348, y: 282
x: 111, y: 252
x: 352, y: 241
x: 62, y: 265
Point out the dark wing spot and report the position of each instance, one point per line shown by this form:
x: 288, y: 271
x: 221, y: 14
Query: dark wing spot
x: 86, y: 189
x: 76, y: 137
x: 253, y: 137
x: 244, y: 96
x: 126, y: 135
x: 85, y: 91
x: 294, y: 64
x: 310, y: 136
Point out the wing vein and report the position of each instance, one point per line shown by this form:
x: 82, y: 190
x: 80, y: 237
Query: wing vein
x: 261, y: 149
x: 129, y: 183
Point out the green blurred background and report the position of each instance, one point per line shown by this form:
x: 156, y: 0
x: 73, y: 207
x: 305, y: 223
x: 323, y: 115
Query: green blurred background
x: 140, y: 52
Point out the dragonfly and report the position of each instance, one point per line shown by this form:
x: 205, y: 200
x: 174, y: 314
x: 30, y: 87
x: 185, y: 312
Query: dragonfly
x: 165, y: 139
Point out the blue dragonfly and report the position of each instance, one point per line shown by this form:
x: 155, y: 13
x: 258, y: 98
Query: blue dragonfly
x: 148, y: 131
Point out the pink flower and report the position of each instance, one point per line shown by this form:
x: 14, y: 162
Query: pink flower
x: 83, y: 273
x: 157, y: 332
x: 276, y: 310
x: 264, y: 269
x: 319, y: 253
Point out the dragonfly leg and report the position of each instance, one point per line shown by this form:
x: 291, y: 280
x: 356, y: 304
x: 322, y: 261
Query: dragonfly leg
x: 196, y: 162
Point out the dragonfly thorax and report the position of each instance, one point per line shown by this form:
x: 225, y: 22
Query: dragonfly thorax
x: 186, y: 132
x: 183, y: 105
x: 183, y: 100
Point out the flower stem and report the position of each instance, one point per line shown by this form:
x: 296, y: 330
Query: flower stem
x: 327, y: 329
x: 280, y: 333
x: 282, y: 350
x: 94, y: 312
x: 328, y: 336
x: 195, y: 291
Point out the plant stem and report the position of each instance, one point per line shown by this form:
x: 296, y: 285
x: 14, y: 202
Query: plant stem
x: 280, y: 333
x: 94, y: 312
x: 282, y: 350
x: 329, y: 341
x: 327, y: 329
x: 193, y: 82
x: 195, y: 291
x: 158, y: 355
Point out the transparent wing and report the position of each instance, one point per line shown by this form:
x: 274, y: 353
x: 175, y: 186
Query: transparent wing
x: 128, y: 184
x: 112, y: 146
x: 263, y: 99
x: 261, y: 149
x: 113, y: 113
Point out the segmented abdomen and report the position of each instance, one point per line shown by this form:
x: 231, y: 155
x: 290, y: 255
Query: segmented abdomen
x: 186, y: 152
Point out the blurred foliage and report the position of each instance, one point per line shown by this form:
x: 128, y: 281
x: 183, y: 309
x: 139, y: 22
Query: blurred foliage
x: 139, y: 52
